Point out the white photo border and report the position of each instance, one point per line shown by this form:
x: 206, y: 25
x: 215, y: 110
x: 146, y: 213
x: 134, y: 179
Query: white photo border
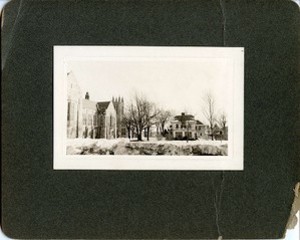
x: 62, y: 161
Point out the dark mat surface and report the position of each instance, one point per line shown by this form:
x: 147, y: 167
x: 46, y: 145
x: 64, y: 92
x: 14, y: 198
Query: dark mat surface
x: 38, y: 202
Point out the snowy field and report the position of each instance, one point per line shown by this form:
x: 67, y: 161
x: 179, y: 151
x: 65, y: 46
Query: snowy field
x: 123, y: 146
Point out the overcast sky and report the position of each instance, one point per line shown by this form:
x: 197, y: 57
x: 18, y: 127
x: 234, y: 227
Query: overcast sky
x: 177, y: 85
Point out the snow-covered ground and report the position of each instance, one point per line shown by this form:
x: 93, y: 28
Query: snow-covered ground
x: 123, y: 146
x: 105, y: 143
x: 110, y: 142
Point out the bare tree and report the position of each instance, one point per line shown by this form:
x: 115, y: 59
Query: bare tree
x: 209, y: 112
x: 141, y: 113
x: 222, y: 122
x: 151, y: 113
x: 162, y: 118
x: 127, y: 121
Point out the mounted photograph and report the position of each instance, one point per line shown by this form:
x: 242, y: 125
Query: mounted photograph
x: 148, y: 108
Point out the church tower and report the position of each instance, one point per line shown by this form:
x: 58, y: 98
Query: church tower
x: 118, y: 103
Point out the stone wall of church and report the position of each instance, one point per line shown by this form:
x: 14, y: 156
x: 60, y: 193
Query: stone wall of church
x: 83, y: 119
x: 119, y: 107
x: 110, y: 122
x: 90, y: 123
x: 74, y: 107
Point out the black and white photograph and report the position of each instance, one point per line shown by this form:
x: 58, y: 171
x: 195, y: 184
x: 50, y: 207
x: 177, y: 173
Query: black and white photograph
x: 150, y: 107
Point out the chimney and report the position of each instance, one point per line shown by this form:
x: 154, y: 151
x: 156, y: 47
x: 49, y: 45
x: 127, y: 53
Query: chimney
x: 87, y: 96
x: 182, y: 114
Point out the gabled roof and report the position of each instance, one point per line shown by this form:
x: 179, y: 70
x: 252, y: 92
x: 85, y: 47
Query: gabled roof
x: 89, y: 104
x: 102, y: 106
x: 198, y: 122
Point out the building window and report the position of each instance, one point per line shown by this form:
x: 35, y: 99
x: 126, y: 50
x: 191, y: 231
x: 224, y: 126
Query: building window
x: 72, y: 111
x: 90, y: 120
x: 69, y: 109
x: 84, y: 119
x: 178, y: 135
x: 176, y: 126
x: 95, y: 120
x: 110, y: 121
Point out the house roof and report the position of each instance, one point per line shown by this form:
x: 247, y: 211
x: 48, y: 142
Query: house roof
x: 198, y: 122
x: 89, y: 104
x: 102, y: 106
x: 184, y: 117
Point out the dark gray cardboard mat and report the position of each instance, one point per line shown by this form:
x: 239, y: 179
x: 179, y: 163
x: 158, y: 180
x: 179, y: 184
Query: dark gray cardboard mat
x: 38, y: 202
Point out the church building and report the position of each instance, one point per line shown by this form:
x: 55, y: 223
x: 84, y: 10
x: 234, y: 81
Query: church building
x: 91, y: 119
